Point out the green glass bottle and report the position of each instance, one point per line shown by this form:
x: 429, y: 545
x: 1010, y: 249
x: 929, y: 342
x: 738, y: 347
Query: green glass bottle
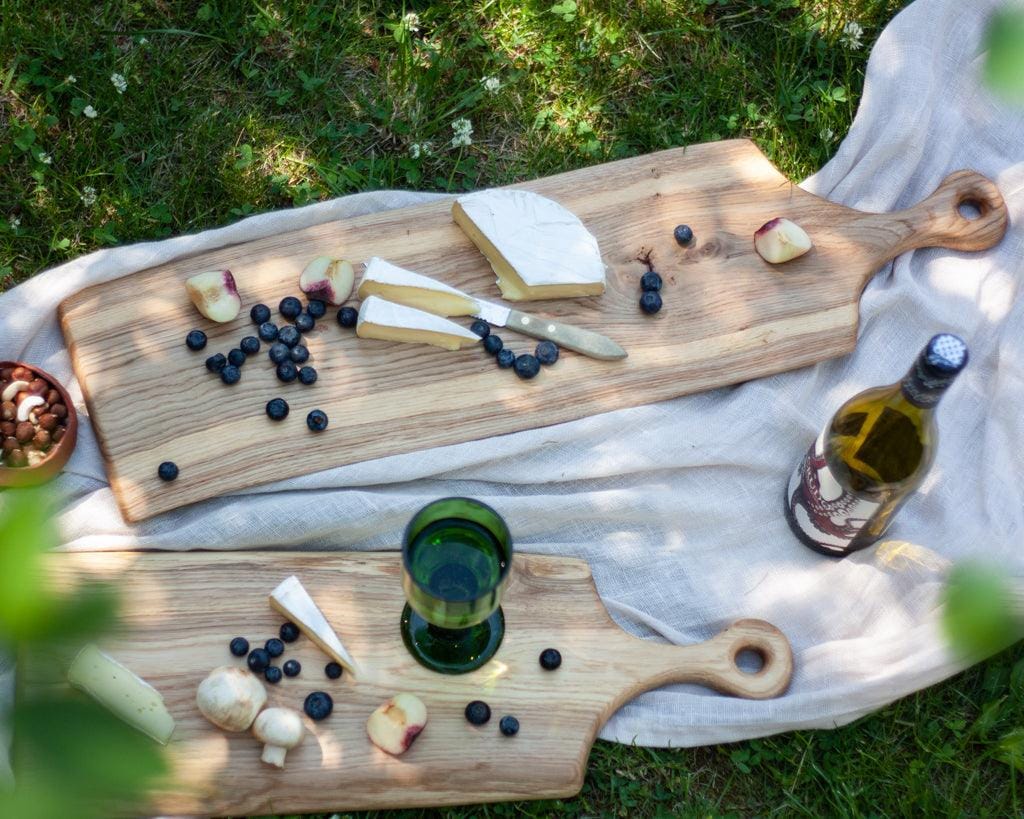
x: 872, y: 455
x: 456, y: 557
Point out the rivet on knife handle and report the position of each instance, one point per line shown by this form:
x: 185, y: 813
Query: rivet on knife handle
x: 577, y: 339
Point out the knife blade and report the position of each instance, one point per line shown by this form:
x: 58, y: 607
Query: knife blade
x: 564, y: 335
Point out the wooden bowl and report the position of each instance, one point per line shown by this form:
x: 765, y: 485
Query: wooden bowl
x: 15, y: 476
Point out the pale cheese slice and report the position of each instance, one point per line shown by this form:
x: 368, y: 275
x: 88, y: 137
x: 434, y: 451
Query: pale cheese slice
x: 293, y: 601
x: 538, y: 248
x: 385, y: 320
x: 402, y: 286
x: 125, y: 694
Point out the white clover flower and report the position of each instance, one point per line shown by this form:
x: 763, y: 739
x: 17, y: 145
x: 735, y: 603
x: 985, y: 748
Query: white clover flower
x: 88, y: 196
x: 70, y: 79
x: 45, y: 158
x: 463, y: 129
x: 120, y: 83
x: 491, y: 84
x: 90, y: 112
x: 411, y: 22
x: 418, y: 149
x: 143, y: 41
x: 14, y: 222
x: 852, y: 32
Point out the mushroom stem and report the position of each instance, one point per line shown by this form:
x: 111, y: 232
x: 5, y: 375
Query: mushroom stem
x: 274, y: 755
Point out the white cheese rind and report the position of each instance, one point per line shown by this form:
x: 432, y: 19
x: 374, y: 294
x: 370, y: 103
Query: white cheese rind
x: 293, y: 601
x: 396, y: 284
x: 122, y: 692
x: 538, y: 248
x: 387, y: 321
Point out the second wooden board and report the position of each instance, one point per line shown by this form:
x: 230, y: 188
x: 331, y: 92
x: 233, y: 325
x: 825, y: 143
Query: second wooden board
x: 728, y: 317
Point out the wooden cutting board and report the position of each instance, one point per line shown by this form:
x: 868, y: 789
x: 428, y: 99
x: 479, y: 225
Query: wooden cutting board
x: 183, y: 609
x: 728, y: 317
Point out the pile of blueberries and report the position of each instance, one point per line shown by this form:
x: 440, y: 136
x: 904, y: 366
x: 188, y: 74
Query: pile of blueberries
x: 478, y: 712
x: 650, y: 282
x: 319, y: 704
x: 526, y: 365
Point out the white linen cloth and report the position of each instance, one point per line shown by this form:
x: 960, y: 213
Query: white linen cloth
x: 678, y: 506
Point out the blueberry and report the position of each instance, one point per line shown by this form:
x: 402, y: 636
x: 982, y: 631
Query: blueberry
x: 289, y: 336
x: 333, y: 670
x: 286, y: 371
x: 292, y: 668
x: 167, y: 471
x: 304, y: 322
x: 195, y: 340
x: 289, y: 632
x: 509, y: 726
x: 506, y: 358
x: 274, y: 647
x: 482, y: 329
x: 215, y: 363
x: 250, y: 345
x: 299, y: 354
x: 547, y: 352
x: 258, y: 659
x: 683, y: 234
x: 317, y: 420
x: 289, y: 307
x: 527, y: 366
x: 277, y: 410
x: 236, y: 357
x: 478, y: 712
x: 348, y: 316
x: 650, y: 302
x: 268, y: 331
x: 307, y: 376
x: 239, y: 646
x: 260, y: 314
x: 278, y: 352
x: 273, y: 674
x: 650, y: 281
x: 230, y: 374
x: 318, y: 705
x: 316, y: 308
x: 493, y: 344
x: 550, y: 659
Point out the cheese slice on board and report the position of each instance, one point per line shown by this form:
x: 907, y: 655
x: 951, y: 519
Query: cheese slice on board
x: 385, y: 320
x: 293, y: 601
x: 538, y: 249
x: 402, y: 286
x: 125, y: 694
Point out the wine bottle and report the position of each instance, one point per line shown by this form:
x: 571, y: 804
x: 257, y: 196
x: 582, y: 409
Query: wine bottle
x: 872, y: 455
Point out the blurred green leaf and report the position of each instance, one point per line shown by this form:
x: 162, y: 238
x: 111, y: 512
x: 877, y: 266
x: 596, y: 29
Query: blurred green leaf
x: 1011, y: 749
x: 26, y: 531
x: 244, y: 157
x: 1004, y: 66
x: 978, y: 615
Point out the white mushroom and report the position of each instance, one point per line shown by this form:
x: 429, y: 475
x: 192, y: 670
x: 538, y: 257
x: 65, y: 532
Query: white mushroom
x: 231, y: 698
x: 13, y: 389
x: 28, y: 404
x: 281, y: 729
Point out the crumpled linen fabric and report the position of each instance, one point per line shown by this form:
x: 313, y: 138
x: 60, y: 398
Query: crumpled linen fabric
x: 677, y: 506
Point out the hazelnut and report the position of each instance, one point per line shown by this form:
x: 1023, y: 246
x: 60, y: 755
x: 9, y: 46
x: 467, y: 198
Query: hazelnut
x: 41, y: 440
x: 48, y: 421
x: 58, y: 434
x: 38, y: 387
x: 22, y: 374
x: 59, y: 410
x: 16, y: 457
x: 8, y: 409
x: 24, y: 432
x: 9, y: 445
x: 7, y: 429
x: 53, y: 397
x: 7, y: 374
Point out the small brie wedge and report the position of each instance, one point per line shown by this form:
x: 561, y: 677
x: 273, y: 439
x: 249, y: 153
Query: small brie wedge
x: 385, y: 320
x: 402, y: 286
x: 293, y: 601
x: 538, y: 249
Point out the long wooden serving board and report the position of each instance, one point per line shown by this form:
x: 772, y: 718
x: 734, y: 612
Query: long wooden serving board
x: 728, y: 317
x: 183, y: 609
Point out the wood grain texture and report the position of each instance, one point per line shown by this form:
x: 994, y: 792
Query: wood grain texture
x: 183, y: 609
x: 728, y: 317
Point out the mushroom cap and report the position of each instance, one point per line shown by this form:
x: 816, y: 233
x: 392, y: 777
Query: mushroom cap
x: 231, y: 698
x: 279, y: 726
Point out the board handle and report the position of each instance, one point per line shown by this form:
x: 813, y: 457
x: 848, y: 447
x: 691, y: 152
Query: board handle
x: 714, y: 663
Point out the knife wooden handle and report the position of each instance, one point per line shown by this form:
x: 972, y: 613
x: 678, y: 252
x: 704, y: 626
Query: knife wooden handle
x: 582, y: 341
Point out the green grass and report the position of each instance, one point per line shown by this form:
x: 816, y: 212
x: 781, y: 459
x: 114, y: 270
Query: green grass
x: 234, y: 107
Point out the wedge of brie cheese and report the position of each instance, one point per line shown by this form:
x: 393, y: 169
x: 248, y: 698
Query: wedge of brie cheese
x: 293, y: 601
x: 538, y: 249
x: 385, y: 320
x: 402, y: 286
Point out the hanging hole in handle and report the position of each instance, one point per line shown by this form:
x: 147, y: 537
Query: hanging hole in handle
x: 970, y: 209
x: 750, y: 660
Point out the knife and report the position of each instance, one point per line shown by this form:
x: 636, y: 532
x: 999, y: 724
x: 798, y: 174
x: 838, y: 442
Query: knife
x: 582, y: 341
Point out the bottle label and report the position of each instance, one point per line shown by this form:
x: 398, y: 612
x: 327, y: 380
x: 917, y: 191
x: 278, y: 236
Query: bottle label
x: 818, y: 507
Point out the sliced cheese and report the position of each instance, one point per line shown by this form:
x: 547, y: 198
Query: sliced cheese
x: 382, y: 319
x: 119, y: 690
x: 538, y: 249
x: 294, y: 602
x: 402, y: 286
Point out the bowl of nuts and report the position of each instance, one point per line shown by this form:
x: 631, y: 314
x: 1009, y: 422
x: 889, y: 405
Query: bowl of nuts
x: 38, y: 425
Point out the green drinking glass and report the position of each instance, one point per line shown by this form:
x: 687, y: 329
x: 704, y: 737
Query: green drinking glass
x: 456, y: 555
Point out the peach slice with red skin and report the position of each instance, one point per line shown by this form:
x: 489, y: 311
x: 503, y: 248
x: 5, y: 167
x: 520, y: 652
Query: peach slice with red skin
x: 780, y: 240
x: 215, y: 295
x: 328, y: 279
x: 394, y: 726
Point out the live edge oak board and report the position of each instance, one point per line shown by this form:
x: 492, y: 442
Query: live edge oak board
x: 181, y: 610
x: 728, y: 317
